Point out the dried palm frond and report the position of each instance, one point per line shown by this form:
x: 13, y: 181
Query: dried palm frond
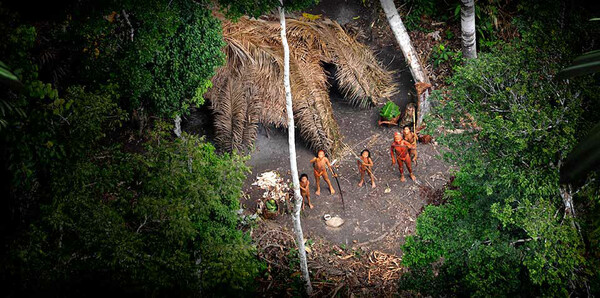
x: 251, y: 82
x: 236, y: 116
x: 312, y: 107
x: 253, y: 109
x: 360, y: 76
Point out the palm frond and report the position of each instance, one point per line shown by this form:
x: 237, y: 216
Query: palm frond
x: 312, y: 107
x: 360, y: 76
x: 230, y: 116
x: 254, y: 71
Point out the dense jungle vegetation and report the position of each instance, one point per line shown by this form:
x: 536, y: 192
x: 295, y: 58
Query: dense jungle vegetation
x: 100, y: 197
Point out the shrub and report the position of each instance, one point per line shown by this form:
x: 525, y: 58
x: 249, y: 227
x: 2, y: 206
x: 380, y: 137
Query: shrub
x: 504, y: 230
x: 162, y: 220
x: 166, y: 65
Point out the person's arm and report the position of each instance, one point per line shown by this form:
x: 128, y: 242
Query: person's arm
x: 370, y: 164
x: 304, y: 188
x: 408, y: 144
x: 392, y: 154
x: 330, y: 167
x: 313, y: 160
x: 414, y: 142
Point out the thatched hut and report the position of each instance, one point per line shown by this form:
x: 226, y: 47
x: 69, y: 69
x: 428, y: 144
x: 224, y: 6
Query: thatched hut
x: 249, y: 89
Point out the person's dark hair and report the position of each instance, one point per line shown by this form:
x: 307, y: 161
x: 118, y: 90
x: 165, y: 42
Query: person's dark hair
x: 367, y: 152
x: 303, y: 175
x: 405, y: 126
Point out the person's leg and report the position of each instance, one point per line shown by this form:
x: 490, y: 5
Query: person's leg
x: 401, y: 167
x: 317, y: 182
x: 362, y: 178
x: 326, y: 178
x: 308, y: 199
x: 413, y: 155
x: 372, y: 180
x: 409, y: 167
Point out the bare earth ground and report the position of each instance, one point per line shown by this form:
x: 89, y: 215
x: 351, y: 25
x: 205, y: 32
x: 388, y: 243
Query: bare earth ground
x: 369, y: 213
x: 361, y: 257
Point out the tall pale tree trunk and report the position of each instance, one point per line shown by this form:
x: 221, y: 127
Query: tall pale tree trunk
x: 292, y: 149
x: 467, y: 26
x: 410, y: 55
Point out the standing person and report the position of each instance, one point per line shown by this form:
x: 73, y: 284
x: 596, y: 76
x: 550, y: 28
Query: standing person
x: 399, y: 151
x: 320, y: 165
x: 365, y: 164
x: 304, y: 183
x: 411, y: 137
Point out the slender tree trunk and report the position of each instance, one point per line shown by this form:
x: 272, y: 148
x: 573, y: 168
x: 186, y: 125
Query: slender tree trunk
x: 467, y: 26
x: 410, y: 55
x: 292, y: 149
x: 567, y: 197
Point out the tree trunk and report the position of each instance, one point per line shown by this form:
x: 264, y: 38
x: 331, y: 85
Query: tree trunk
x: 565, y: 194
x: 467, y: 26
x: 410, y: 55
x: 292, y: 149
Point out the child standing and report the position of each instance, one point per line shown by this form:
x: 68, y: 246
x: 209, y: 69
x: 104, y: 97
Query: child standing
x: 365, y: 164
x: 304, y: 183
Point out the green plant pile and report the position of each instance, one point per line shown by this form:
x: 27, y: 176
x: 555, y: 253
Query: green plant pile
x: 505, y: 229
x: 271, y: 205
x: 390, y: 110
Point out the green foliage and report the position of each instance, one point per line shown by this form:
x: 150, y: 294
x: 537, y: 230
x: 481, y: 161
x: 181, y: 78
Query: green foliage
x: 255, y: 8
x: 161, y: 220
x: 57, y: 130
x: 390, y: 110
x: 488, y: 14
x: 442, y: 54
x: 486, y: 18
x: 7, y: 106
x: 89, y: 215
x: 162, y: 55
x: 504, y: 230
x: 417, y: 10
x: 6, y: 75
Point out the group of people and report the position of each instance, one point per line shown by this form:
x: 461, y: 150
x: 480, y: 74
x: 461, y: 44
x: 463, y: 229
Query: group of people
x: 403, y: 152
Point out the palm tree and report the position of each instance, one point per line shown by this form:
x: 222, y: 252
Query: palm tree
x: 467, y: 26
x: 292, y: 149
